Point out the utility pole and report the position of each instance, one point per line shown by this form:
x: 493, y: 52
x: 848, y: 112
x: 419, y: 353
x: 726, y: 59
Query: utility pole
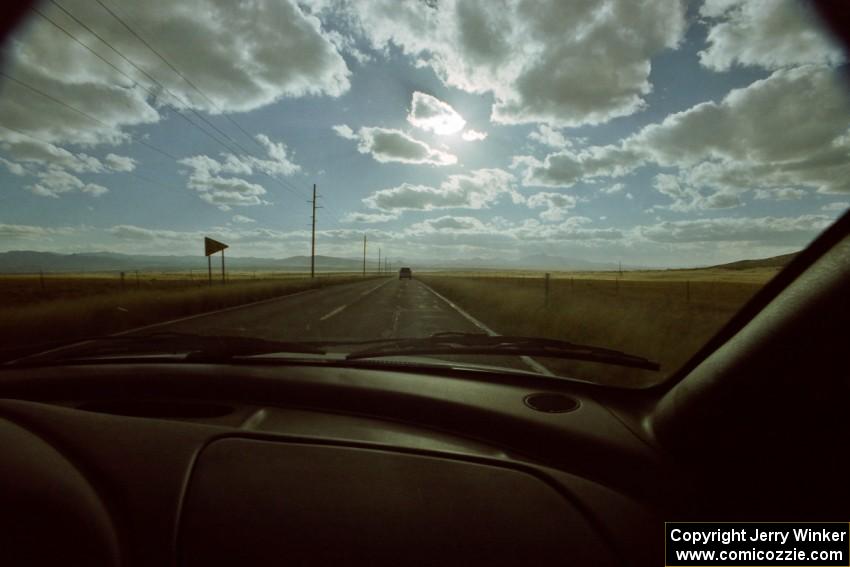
x: 313, y: 238
x: 364, y: 255
x: 379, y: 260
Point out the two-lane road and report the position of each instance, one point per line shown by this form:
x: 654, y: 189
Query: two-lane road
x: 374, y: 308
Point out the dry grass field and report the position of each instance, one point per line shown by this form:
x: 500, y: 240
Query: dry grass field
x: 70, y: 306
x: 662, y: 315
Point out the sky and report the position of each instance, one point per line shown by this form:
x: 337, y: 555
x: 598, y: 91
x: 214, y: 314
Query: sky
x: 656, y: 133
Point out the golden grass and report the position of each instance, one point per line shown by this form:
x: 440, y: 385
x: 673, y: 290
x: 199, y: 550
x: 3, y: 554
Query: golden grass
x: 86, y: 306
x: 18, y: 290
x: 663, y: 320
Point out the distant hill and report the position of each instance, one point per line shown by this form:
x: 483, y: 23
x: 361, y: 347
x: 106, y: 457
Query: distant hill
x: 772, y: 262
x: 29, y: 262
x: 530, y: 262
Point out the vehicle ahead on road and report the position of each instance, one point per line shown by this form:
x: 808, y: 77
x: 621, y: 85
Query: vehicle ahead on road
x: 405, y: 273
x: 380, y: 422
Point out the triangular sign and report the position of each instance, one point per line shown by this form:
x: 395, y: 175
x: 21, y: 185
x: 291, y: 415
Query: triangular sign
x: 212, y: 246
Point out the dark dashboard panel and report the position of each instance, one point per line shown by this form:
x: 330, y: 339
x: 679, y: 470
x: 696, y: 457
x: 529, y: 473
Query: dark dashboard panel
x: 254, y: 502
x: 256, y: 460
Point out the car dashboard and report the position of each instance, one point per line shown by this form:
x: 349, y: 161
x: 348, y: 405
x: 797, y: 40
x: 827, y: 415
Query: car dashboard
x: 198, y: 464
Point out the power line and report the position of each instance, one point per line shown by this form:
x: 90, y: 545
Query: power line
x: 115, y: 67
x: 169, y: 91
x: 43, y: 141
x: 177, y: 71
x: 82, y: 113
x: 146, y: 74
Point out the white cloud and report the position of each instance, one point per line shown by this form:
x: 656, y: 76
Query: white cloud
x: 14, y: 168
x: 433, y: 115
x: 687, y: 197
x: 46, y: 154
x: 369, y: 218
x: 767, y: 33
x: 242, y: 219
x: 556, y: 205
x: 779, y: 194
x: 476, y: 190
x: 613, y: 189
x: 388, y: 145
x: 261, y: 55
x: 789, y: 130
x: 223, y: 192
x: 567, y: 167
x: 836, y: 207
x: 773, y: 230
x: 564, y: 63
x: 53, y: 182
x: 471, y: 135
x: 120, y: 163
x: 548, y: 136
x: 13, y: 232
x: 205, y: 175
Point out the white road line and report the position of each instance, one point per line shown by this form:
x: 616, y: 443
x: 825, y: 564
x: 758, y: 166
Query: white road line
x: 368, y: 291
x: 536, y: 366
x: 341, y: 307
x: 332, y: 313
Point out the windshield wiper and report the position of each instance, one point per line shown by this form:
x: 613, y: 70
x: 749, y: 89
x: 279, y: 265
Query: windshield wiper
x: 473, y: 343
x: 197, y: 348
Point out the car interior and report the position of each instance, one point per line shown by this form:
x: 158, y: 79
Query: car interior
x: 123, y: 461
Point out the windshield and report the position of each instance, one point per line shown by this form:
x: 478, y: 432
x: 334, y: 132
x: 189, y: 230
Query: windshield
x: 614, y: 174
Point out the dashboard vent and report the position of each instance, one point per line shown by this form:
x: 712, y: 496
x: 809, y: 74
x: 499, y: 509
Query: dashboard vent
x: 551, y: 403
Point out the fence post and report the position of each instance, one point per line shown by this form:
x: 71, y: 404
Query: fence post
x: 617, y: 286
x: 688, y: 290
x: 122, y: 281
x: 546, y: 292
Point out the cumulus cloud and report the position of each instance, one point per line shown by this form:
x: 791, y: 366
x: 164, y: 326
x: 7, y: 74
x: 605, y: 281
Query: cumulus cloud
x: 120, y: 163
x: 613, y: 189
x: 556, y: 205
x: 567, y: 167
x: 471, y: 135
x: 10, y: 232
x: 766, y: 33
x: 475, y: 190
x: 218, y: 190
x: 564, y: 63
x: 242, y: 219
x: 388, y: 145
x: 54, y: 182
x: 369, y: 218
x: 789, y: 130
x: 45, y: 154
x: 14, y: 168
x: 779, y: 194
x: 836, y: 207
x: 271, y: 51
x: 773, y: 230
x: 207, y: 175
x: 548, y: 136
x: 433, y: 115
x: 687, y: 197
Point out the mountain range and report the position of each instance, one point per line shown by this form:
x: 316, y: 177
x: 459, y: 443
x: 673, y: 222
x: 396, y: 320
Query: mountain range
x: 25, y: 261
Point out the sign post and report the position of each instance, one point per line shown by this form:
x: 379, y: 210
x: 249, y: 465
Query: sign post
x: 211, y: 247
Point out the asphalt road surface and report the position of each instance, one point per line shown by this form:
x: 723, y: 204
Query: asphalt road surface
x: 375, y: 308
